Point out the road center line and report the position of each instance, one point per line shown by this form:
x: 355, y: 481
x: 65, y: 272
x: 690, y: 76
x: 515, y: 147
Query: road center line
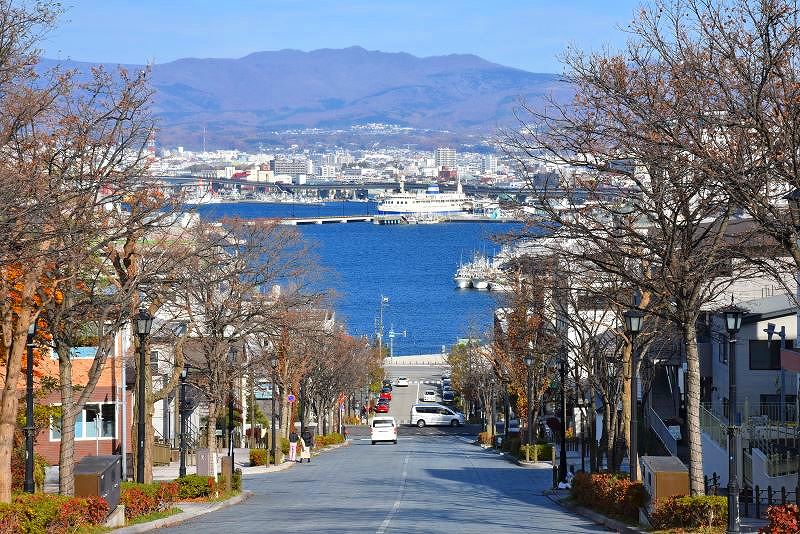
x: 396, y: 505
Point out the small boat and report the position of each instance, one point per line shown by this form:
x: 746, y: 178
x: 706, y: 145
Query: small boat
x: 462, y: 278
x: 480, y: 283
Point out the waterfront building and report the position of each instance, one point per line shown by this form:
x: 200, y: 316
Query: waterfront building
x: 293, y: 166
x: 489, y: 164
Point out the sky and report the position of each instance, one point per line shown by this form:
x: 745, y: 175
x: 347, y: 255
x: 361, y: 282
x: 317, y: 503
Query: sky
x: 517, y: 33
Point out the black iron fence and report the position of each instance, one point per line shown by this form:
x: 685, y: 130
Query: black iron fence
x: 753, y: 502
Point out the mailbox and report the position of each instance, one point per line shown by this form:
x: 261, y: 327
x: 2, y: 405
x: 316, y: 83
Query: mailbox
x: 100, y: 476
x: 664, y: 476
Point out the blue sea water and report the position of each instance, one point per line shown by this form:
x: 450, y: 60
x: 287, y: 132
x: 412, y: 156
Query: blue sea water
x: 412, y: 265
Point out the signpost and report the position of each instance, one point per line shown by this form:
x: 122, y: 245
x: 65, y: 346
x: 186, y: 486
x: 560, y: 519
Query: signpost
x: 291, y: 398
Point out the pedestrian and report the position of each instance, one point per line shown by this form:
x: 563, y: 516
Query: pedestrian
x: 308, y: 442
x: 293, y: 439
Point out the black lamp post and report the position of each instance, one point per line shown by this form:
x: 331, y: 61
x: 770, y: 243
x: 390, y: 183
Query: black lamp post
x: 633, y: 325
x: 274, y: 364
x: 733, y: 322
x: 529, y: 364
x: 30, y: 485
x: 183, y: 410
x: 232, y: 360
x: 144, y: 322
x: 561, y: 328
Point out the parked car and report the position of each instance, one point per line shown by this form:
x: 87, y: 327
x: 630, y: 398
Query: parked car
x: 402, y: 381
x: 387, y: 383
x: 429, y: 396
x: 384, y: 429
x: 382, y: 408
x: 386, y: 394
x: 435, y: 414
x: 448, y: 396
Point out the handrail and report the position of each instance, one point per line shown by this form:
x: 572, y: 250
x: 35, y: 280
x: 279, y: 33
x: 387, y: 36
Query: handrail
x: 661, y: 430
x: 713, y: 427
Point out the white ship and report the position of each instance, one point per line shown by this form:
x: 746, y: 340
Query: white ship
x: 462, y: 277
x: 431, y: 202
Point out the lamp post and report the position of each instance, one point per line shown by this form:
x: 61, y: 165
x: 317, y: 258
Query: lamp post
x: 182, y: 408
x: 231, y: 360
x: 561, y: 328
x: 144, y: 322
x: 529, y: 364
x: 274, y: 364
x: 733, y: 322
x: 30, y: 485
x: 633, y: 325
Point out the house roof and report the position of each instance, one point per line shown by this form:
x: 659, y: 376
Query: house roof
x: 768, y: 308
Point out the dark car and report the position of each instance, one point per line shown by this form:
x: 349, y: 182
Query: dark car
x: 448, y: 396
x: 387, y: 384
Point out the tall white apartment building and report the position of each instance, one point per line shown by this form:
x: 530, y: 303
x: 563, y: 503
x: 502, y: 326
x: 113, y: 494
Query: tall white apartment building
x: 489, y: 164
x: 445, y: 157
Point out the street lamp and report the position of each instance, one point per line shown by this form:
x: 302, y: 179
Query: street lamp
x: 733, y: 322
x: 274, y: 364
x: 183, y: 409
x: 30, y: 485
x: 633, y: 325
x: 144, y: 322
x: 561, y: 329
x: 529, y: 364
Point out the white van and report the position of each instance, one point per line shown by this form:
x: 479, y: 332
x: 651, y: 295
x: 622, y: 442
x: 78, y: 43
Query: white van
x: 435, y: 414
x: 384, y: 429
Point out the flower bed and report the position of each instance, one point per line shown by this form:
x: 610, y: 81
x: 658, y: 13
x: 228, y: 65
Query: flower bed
x: 328, y: 439
x: 42, y: 513
x: 144, y: 499
x: 610, y: 494
x: 701, y: 511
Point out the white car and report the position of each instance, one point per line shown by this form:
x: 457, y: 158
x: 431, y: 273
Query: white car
x: 401, y: 381
x: 429, y: 396
x: 384, y: 429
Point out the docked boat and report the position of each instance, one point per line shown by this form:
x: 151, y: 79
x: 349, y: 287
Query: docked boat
x: 462, y: 278
x: 430, y: 203
x: 480, y: 283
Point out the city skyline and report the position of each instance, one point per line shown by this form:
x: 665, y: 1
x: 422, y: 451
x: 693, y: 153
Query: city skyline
x: 514, y: 34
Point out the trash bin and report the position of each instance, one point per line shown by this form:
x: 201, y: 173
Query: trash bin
x: 99, y: 476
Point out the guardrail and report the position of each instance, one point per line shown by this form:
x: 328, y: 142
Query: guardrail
x: 661, y: 430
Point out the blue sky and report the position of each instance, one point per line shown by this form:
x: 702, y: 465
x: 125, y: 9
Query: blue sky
x: 518, y: 33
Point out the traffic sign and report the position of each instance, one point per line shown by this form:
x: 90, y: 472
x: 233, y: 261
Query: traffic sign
x: 291, y: 398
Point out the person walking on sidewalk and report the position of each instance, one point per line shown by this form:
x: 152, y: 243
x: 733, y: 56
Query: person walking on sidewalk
x: 293, y: 439
x: 308, y: 442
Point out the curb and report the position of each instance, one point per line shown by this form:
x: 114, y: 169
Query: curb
x: 265, y: 470
x: 597, y: 518
x: 183, y: 516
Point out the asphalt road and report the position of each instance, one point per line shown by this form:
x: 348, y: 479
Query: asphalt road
x: 420, y: 378
x: 424, y: 484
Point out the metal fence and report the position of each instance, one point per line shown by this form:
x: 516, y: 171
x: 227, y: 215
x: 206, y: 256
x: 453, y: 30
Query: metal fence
x: 661, y: 430
x: 713, y: 427
x: 753, y: 502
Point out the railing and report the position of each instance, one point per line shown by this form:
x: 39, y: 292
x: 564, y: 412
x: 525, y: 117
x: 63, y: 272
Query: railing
x: 661, y: 430
x: 747, y: 467
x: 753, y: 502
x: 162, y: 454
x: 713, y: 427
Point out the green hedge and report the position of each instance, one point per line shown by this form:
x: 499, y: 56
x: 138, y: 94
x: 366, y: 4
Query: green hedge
x: 328, y: 439
x: 196, y: 486
x: 537, y: 452
x: 260, y: 457
x: 701, y: 511
x: 42, y: 513
x: 610, y: 494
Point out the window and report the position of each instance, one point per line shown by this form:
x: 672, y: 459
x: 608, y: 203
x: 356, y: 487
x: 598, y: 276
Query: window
x: 96, y: 421
x: 766, y: 355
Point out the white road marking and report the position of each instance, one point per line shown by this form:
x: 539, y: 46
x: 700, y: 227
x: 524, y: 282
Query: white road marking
x: 396, y: 505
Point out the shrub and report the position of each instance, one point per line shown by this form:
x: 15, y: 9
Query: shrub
x: 18, y: 470
x: 51, y: 514
x: 259, y: 456
x: 194, y: 486
x: 537, y: 452
x: 144, y: 499
x: 783, y: 519
x: 285, y: 446
x: 236, y: 483
x: 352, y: 420
x: 690, y: 512
x: 484, y: 438
x: 512, y: 445
x: 611, y: 494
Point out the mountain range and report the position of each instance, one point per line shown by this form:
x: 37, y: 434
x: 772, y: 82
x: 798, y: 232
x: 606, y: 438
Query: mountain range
x: 243, y: 102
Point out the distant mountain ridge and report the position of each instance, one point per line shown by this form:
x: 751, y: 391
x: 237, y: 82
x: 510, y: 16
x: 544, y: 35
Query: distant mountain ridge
x: 240, y: 101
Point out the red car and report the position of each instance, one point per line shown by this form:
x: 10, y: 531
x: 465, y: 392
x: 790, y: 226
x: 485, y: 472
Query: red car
x: 386, y: 395
x: 382, y: 408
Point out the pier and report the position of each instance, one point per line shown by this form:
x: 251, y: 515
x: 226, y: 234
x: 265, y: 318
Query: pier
x: 295, y: 221
x: 394, y: 219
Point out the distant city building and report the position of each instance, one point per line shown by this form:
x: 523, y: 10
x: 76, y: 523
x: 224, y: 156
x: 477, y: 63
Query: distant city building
x: 293, y: 167
x: 489, y: 164
x: 445, y: 158
x: 326, y: 171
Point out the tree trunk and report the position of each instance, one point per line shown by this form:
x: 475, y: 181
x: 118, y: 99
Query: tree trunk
x: 626, y: 403
x: 211, y: 429
x: 66, y: 461
x: 693, y: 410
